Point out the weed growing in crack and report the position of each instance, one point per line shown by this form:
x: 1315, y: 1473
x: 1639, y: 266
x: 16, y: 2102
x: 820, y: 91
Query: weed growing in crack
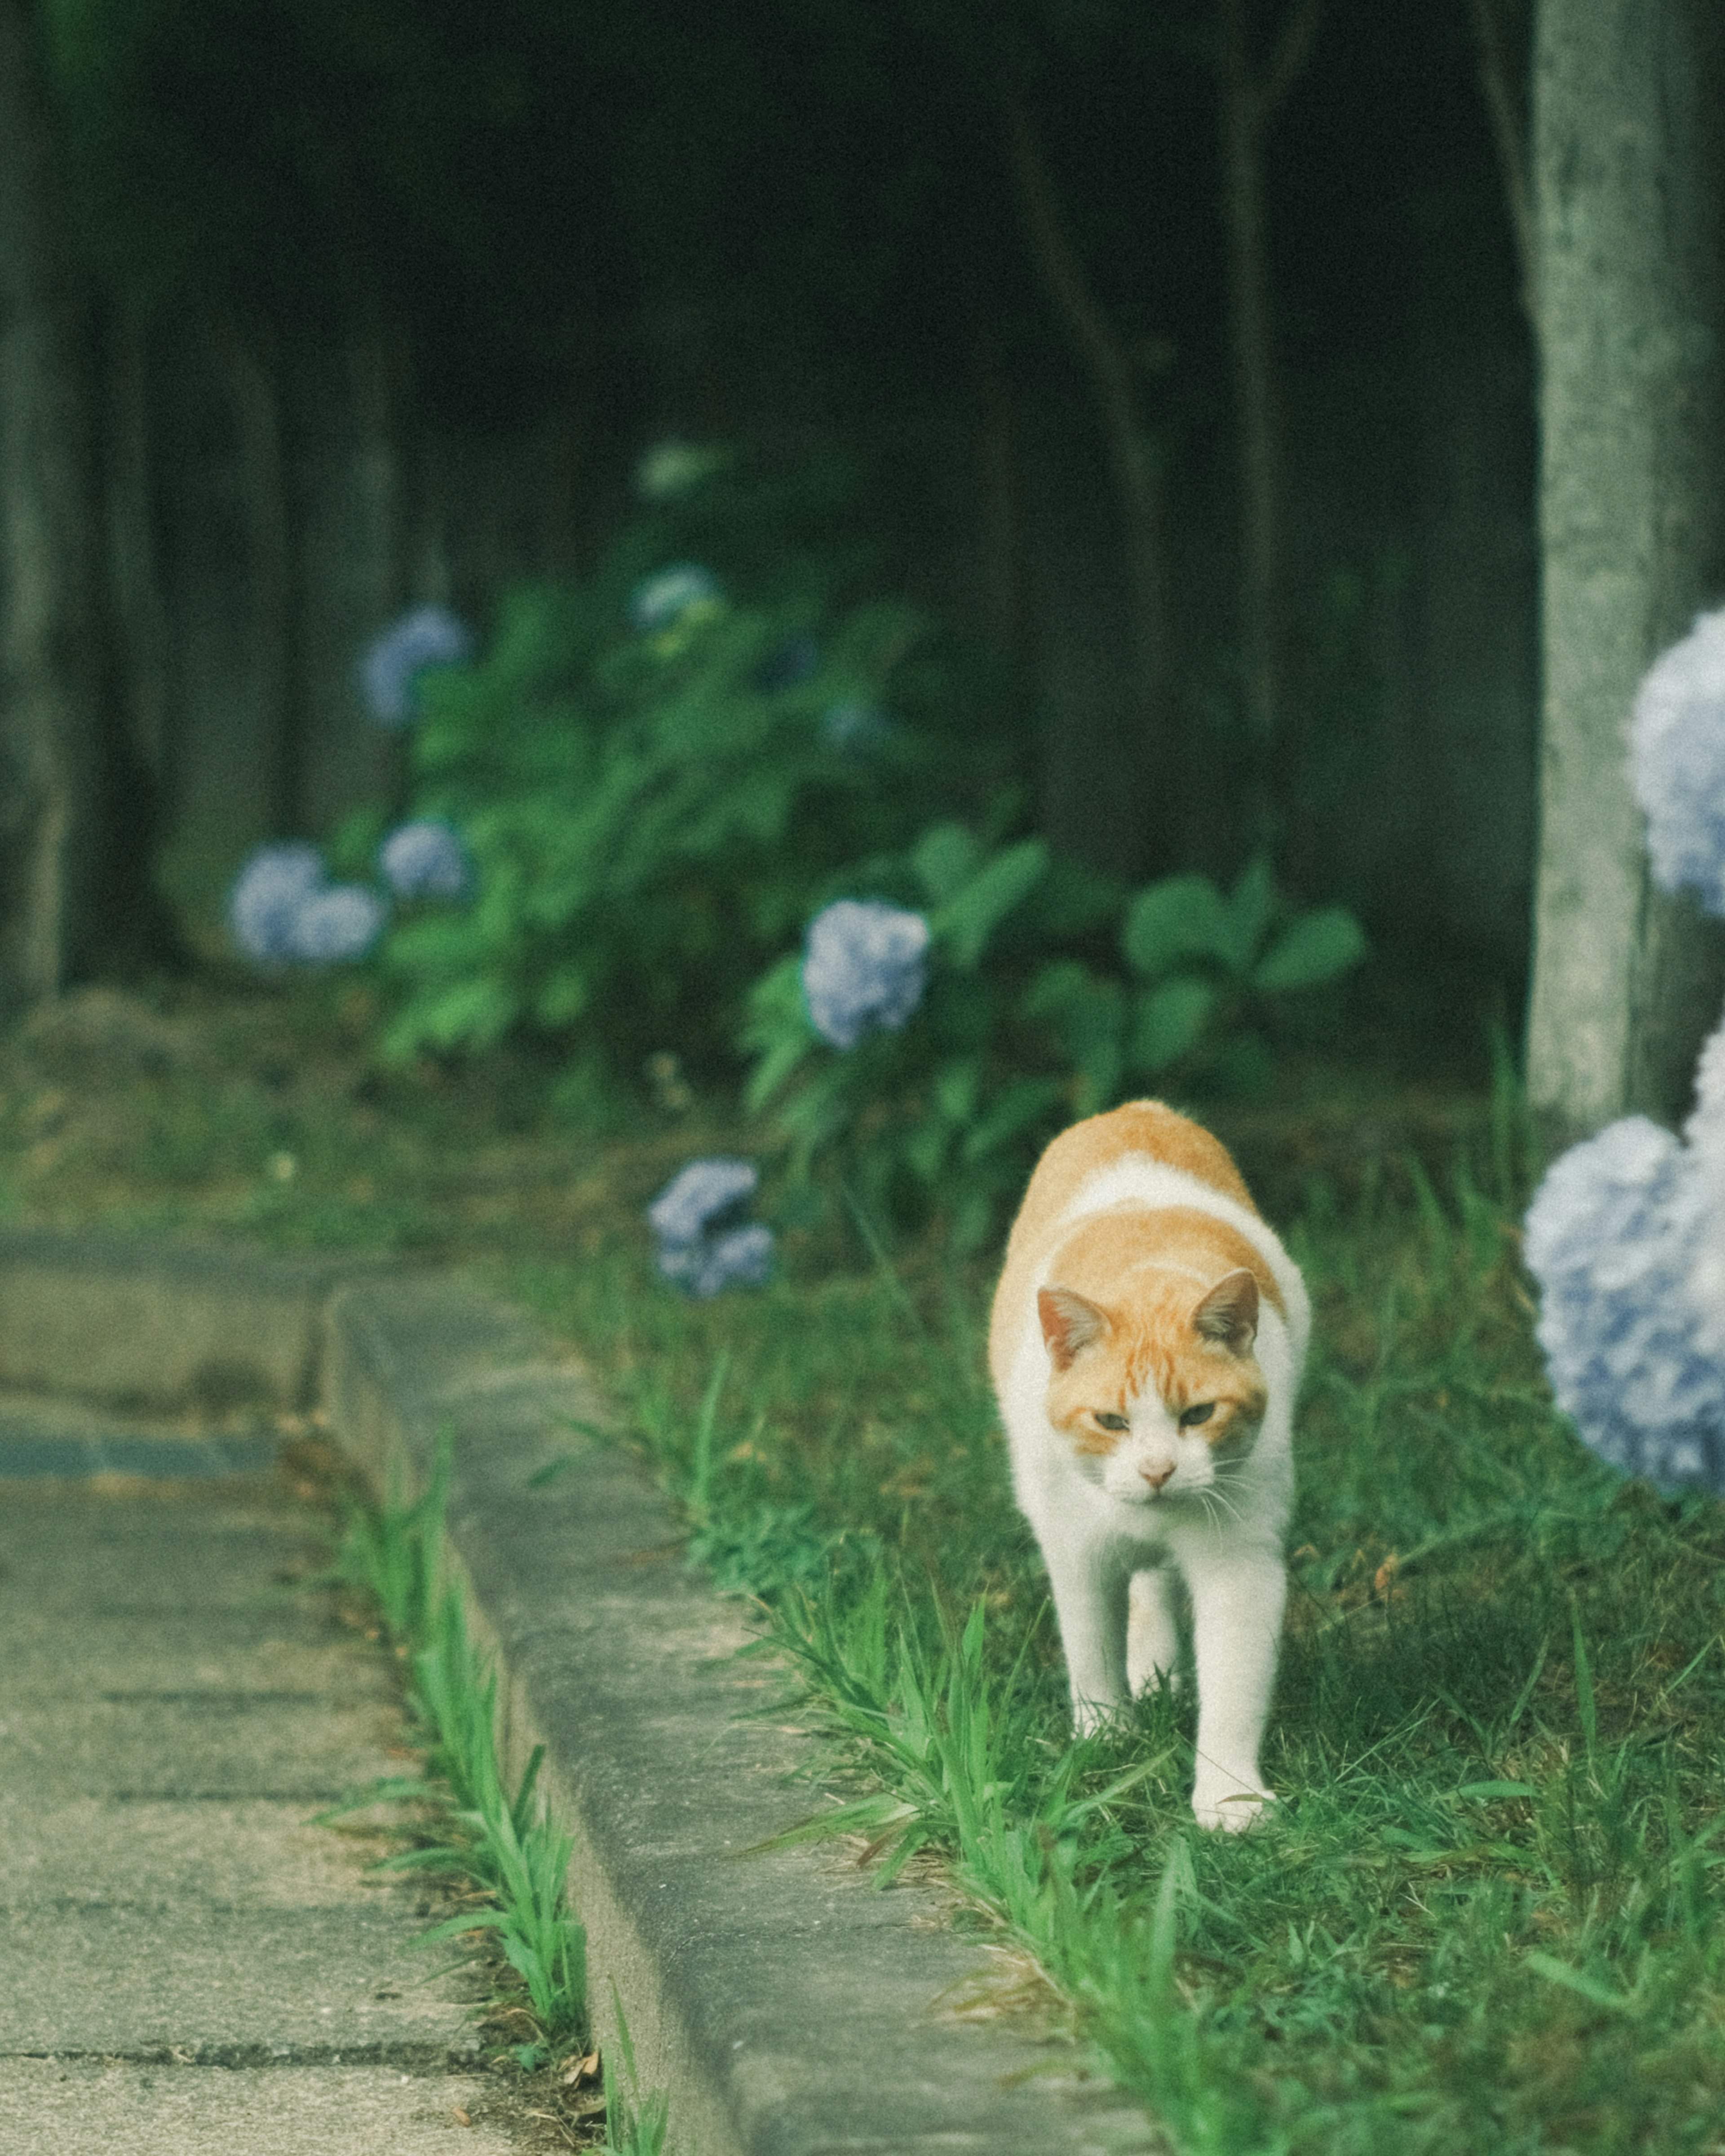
x: 496, y: 1847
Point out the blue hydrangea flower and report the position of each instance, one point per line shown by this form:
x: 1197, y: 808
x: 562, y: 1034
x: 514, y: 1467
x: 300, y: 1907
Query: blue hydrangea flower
x: 267, y: 895
x: 702, y: 1245
x: 343, y: 921
x: 673, y: 468
x: 424, y: 860
x: 795, y: 661
x: 698, y: 1195
x: 854, y: 723
x: 1613, y: 1236
x: 669, y: 595
x: 1677, y: 762
x: 865, y: 963
x: 741, y: 1258
x: 424, y: 636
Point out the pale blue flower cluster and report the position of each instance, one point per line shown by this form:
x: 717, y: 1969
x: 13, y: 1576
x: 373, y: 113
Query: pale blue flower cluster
x: 1626, y: 1233
x: 702, y: 1245
x: 1613, y: 1236
x: 393, y: 661
x: 283, y: 911
x: 1677, y: 762
x: 424, y: 859
x: 667, y: 595
x: 866, y: 963
x: 340, y: 921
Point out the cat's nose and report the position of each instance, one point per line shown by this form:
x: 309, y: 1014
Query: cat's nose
x: 1156, y: 1476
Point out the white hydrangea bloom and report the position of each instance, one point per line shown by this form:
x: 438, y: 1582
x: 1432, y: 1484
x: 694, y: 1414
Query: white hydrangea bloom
x: 424, y: 859
x: 393, y: 661
x: 701, y: 1247
x: 697, y: 1194
x: 1613, y: 1236
x: 865, y: 963
x: 340, y: 921
x: 1677, y: 762
x: 267, y: 895
x: 742, y: 1258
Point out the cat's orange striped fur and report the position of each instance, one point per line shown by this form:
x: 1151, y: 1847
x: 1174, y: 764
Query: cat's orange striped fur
x: 1146, y: 1340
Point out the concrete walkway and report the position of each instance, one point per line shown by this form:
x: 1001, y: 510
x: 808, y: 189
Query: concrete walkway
x: 186, y: 1965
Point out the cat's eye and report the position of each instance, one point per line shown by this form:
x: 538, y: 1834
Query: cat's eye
x: 1106, y: 1421
x: 1192, y: 1416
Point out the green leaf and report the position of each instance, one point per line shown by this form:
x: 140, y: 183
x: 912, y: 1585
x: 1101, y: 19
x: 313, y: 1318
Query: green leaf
x: 1181, y: 917
x: 562, y: 997
x: 955, y: 1089
x: 1316, y: 946
x: 1170, y: 1021
x: 945, y: 858
x: 473, y: 1014
x: 1574, y: 1979
x: 1025, y: 1101
x: 1495, y: 1790
x: 1249, y: 908
x: 971, y: 915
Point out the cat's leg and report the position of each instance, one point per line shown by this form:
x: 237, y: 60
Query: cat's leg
x: 1090, y: 1601
x: 1237, y: 1601
x: 1152, y: 1639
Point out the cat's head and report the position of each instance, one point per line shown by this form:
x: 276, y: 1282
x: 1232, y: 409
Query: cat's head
x: 1159, y: 1393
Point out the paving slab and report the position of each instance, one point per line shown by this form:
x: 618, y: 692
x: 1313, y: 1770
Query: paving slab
x: 96, y: 2107
x: 191, y: 1962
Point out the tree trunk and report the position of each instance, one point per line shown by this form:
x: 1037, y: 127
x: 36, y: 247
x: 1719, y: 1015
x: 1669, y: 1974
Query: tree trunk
x: 1626, y: 982
x: 1247, y: 102
x: 351, y: 563
x: 51, y: 624
x: 1143, y: 768
x: 1257, y: 414
x: 225, y: 569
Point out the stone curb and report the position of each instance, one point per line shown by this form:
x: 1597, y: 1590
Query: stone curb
x: 785, y: 2006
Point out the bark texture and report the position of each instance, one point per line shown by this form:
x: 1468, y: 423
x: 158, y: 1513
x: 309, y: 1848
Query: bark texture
x: 1626, y: 982
x: 1247, y: 103
x: 52, y: 647
x: 1143, y: 746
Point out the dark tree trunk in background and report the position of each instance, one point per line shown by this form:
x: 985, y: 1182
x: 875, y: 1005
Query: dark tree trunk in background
x: 1247, y: 104
x: 226, y: 588
x: 350, y: 567
x: 1142, y: 764
x: 134, y: 568
x: 1626, y: 982
x: 51, y: 626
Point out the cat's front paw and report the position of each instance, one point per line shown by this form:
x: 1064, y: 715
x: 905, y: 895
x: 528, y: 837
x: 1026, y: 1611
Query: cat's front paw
x: 1232, y: 1807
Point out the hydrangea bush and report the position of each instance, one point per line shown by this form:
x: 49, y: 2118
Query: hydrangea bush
x: 1626, y: 1232
x: 645, y: 781
x: 927, y: 1052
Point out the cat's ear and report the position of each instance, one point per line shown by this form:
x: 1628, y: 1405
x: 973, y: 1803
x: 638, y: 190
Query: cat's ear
x: 1069, y: 1323
x: 1229, y: 1314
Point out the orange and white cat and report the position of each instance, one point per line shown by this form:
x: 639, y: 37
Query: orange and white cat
x: 1147, y: 1338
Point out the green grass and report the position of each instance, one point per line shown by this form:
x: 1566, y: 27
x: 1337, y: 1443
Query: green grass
x: 500, y: 1846
x: 1488, y: 1913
